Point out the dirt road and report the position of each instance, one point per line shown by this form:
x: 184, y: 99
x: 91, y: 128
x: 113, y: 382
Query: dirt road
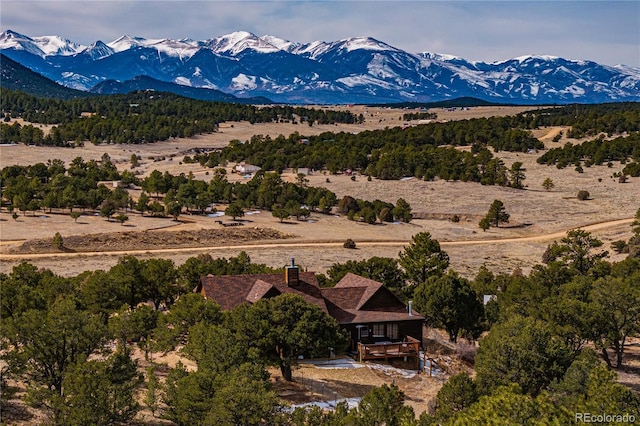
x: 589, y: 228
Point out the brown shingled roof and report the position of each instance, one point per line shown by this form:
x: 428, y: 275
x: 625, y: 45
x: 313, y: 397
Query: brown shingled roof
x: 229, y: 291
x: 260, y: 290
x: 360, y: 299
x: 351, y: 280
x: 353, y: 299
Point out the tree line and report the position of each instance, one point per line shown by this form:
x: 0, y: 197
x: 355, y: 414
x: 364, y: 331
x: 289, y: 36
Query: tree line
x: 390, y: 161
x: 148, y: 116
x: 598, y: 152
x: 425, y: 151
x: 138, y: 117
x: 81, y: 186
x: 589, y: 120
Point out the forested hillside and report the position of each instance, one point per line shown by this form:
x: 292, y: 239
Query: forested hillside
x: 16, y: 77
x: 425, y: 151
x: 141, y: 117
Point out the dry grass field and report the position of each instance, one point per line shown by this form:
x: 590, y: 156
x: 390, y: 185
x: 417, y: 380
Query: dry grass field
x: 538, y: 217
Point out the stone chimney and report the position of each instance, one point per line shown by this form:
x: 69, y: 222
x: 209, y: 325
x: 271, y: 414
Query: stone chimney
x: 292, y: 274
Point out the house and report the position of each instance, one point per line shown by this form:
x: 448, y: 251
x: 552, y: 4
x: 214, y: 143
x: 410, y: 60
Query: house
x: 246, y: 169
x: 379, y: 324
x: 113, y: 184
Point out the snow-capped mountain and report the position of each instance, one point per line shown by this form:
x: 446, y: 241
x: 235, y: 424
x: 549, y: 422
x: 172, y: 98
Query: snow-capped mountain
x: 353, y: 70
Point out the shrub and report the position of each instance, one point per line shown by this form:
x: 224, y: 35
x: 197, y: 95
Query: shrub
x: 386, y: 215
x: 548, y: 184
x: 620, y: 246
x: 583, y: 195
x: 466, y: 352
x: 349, y: 244
x: 58, y: 242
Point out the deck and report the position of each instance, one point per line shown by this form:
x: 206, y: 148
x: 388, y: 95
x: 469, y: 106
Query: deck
x: 410, y: 348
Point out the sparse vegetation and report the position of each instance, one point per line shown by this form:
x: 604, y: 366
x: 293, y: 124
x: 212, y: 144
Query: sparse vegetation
x: 349, y: 244
x: 583, y: 195
x: 234, y: 210
x: 548, y: 319
x: 548, y: 184
x: 122, y: 218
x: 495, y: 216
x: 58, y: 241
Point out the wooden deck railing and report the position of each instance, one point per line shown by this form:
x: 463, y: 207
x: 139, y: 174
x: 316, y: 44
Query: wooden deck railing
x: 409, y: 348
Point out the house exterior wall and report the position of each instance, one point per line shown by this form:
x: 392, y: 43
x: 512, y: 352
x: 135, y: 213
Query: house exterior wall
x: 412, y: 328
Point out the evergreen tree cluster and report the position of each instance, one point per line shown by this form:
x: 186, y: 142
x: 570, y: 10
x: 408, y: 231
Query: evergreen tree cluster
x: 264, y: 191
x: 52, y: 185
x: 80, y: 185
x: 141, y: 117
x: 536, y: 364
x: 58, y: 331
x: 371, y: 211
x: 595, y: 152
x: 589, y: 120
x: 385, y: 154
x: 419, y: 116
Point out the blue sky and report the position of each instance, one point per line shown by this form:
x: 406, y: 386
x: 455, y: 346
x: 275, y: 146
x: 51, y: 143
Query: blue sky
x: 607, y: 32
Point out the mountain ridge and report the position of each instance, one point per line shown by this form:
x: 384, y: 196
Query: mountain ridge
x: 352, y: 70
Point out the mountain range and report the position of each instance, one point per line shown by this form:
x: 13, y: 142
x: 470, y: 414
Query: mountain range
x: 353, y: 70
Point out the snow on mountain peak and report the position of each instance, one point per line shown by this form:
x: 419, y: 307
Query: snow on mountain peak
x: 360, y: 69
x: 279, y: 43
x: 439, y: 56
x: 54, y: 45
x: 525, y: 58
x: 11, y: 39
x: 184, y: 48
x: 239, y: 41
x: 125, y: 42
x: 178, y: 48
x: 528, y: 58
x: 313, y: 49
x: 41, y: 46
x: 98, y: 50
x: 365, y: 43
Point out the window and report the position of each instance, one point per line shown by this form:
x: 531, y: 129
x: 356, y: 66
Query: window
x: 392, y: 331
x: 378, y: 330
x: 363, y: 331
